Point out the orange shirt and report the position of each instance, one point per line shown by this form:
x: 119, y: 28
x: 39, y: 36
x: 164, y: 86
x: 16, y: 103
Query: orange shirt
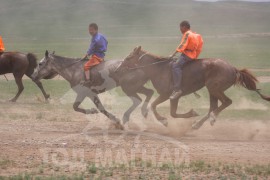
x: 191, y: 44
x: 2, y: 47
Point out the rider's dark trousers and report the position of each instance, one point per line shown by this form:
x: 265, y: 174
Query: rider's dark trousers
x: 177, y: 71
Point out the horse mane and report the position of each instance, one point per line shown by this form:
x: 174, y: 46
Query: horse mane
x: 156, y: 57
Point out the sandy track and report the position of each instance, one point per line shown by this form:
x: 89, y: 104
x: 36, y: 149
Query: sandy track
x: 24, y: 140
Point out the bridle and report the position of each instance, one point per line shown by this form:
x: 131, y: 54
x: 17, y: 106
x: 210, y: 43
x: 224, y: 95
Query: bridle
x: 140, y: 59
x: 73, y: 63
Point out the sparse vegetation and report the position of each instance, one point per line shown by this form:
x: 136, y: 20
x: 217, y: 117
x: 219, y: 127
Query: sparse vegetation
x: 193, y: 170
x: 5, y: 163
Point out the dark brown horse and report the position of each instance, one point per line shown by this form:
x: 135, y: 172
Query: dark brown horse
x: 19, y: 64
x: 216, y: 74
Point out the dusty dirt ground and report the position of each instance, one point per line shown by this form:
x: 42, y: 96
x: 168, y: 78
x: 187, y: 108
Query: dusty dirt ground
x: 32, y: 140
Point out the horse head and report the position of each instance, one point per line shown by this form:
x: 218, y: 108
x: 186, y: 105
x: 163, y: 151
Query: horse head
x: 132, y: 59
x: 45, y: 70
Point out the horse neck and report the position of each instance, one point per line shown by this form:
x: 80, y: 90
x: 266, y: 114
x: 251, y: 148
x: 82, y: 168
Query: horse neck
x: 146, y: 59
x: 73, y: 73
x: 147, y: 62
x: 155, y: 72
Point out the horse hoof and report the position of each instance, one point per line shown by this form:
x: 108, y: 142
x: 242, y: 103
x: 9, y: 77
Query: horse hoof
x: 196, y: 126
x: 12, y: 100
x: 164, y: 122
x: 119, y: 126
x: 161, y: 118
x: 212, y: 122
x: 47, y: 96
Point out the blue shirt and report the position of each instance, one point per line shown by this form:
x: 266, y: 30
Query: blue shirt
x: 98, y: 46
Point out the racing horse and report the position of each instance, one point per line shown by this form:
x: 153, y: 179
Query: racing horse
x: 105, y: 78
x: 19, y: 64
x: 216, y: 74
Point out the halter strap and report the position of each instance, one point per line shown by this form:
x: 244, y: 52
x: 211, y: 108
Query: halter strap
x: 140, y: 58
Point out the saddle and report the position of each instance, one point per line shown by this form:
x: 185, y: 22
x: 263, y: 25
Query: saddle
x: 95, y: 76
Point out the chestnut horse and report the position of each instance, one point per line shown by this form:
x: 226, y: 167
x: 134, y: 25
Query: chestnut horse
x: 19, y: 64
x: 216, y: 74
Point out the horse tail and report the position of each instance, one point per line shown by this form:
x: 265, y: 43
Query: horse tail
x: 246, y: 79
x: 32, y: 60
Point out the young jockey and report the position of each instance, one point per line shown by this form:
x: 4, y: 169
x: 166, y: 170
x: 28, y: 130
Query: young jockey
x: 96, y: 51
x: 190, y: 47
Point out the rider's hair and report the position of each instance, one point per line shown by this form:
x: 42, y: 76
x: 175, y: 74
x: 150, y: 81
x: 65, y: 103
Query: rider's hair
x: 93, y: 25
x: 185, y: 24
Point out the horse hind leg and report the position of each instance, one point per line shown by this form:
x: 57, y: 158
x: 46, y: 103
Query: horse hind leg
x: 173, y: 109
x: 225, y: 102
x: 149, y: 94
x: 18, y: 80
x: 213, y: 106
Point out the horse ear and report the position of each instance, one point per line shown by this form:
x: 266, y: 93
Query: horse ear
x: 47, y: 53
x: 138, y: 49
x: 135, y: 49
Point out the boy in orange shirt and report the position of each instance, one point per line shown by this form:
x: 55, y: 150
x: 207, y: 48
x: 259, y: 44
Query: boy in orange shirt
x: 190, y: 47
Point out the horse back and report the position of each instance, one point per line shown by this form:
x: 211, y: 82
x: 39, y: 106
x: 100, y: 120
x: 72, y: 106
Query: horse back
x: 204, y: 71
x: 13, y: 62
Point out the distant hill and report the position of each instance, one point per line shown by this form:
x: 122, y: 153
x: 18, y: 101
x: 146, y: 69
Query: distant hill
x: 65, y: 18
x: 62, y: 25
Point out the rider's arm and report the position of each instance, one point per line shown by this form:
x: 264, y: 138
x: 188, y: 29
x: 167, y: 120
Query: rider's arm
x: 183, y: 45
x: 184, y: 42
x: 171, y: 56
x: 91, y: 48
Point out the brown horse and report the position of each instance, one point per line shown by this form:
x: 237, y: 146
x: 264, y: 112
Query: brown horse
x: 216, y: 74
x: 20, y: 64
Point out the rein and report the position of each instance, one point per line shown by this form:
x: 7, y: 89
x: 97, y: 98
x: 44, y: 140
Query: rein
x: 152, y: 64
x: 73, y: 63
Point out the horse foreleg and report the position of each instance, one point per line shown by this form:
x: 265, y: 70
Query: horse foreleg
x: 39, y: 84
x: 19, y: 83
x: 158, y: 101
x: 174, y: 106
x: 148, y: 93
x: 101, y: 108
x: 78, y: 101
x: 136, y: 100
